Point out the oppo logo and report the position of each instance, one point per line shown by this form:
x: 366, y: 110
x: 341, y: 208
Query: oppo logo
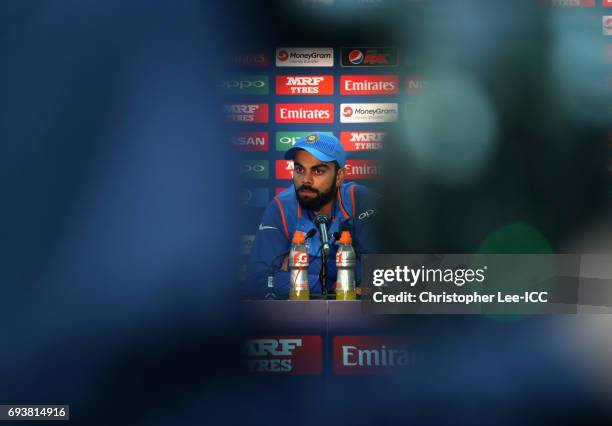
x: 252, y: 168
x: 366, y: 214
x: 244, y: 84
x: 288, y: 140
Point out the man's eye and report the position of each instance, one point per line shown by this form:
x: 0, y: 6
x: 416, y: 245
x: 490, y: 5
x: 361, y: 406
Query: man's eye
x: 319, y: 172
x: 298, y: 170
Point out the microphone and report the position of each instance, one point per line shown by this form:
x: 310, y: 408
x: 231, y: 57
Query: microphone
x: 322, y: 222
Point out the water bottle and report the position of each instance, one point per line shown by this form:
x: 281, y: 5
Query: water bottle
x: 298, y: 265
x: 345, y: 263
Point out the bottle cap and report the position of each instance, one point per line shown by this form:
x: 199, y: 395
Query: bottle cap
x: 298, y: 238
x: 345, y: 238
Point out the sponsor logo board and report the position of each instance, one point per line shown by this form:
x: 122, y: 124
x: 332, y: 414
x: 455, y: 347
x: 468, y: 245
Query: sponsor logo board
x: 368, y: 113
x: 251, y: 141
x: 362, y: 169
x: 254, y: 197
x: 254, y: 169
x: 414, y: 84
x: 247, y: 85
x: 607, y: 25
x: 369, y: 57
x: 284, y: 169
x: 246, y: 113
x: 369, y: 85
x: 354, y: 169
x: 304, y: 85
x: 249, y: 59
x: 573, y: 3
x: 304, y: 57
x: 369, y: 354
x: 304, y: 113
x: 362, y: 141
x: 285, y: 140
x: 285, y: 355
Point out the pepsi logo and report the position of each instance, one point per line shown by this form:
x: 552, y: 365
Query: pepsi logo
x: 347, y: 111
x: 355, y: 57
x: 283, y: 55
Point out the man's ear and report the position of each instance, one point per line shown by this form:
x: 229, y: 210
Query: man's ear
x: 340, y: 176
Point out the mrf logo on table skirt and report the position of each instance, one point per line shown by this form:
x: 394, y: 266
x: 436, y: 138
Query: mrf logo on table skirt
x: 285, y: 355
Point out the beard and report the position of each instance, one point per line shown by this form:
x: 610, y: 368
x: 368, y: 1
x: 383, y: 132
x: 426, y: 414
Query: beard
x: 317, y: 202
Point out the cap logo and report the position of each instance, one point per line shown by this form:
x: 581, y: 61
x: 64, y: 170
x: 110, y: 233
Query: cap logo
x: 311, y: 138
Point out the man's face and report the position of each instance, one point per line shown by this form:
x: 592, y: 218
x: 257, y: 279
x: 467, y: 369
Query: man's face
x: 315, y: 181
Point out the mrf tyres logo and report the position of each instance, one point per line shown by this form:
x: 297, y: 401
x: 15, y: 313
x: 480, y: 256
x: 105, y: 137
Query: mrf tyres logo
x: 369, y: 57
x: 290, y: 355
x: 362, y: 141
x: 369, y: 354
x: 304, y: 57
x: 246, y: 113
x: 368, y: 113
x: 304, y: 113
x: 304, y: 85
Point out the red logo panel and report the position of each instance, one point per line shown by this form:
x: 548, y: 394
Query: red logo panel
x: 369, y: 85
x: 285, y: 355
x: 251, y: 141
x: 284, y: 169
x: 304, y: 113
x: 362, y: 141
x: 362, y: 169
x: 368, y: 354
x: 247, y: 113
x: 304, y: 85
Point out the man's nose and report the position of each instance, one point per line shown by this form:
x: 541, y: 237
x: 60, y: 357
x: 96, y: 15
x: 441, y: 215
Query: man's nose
x: 307, y: 178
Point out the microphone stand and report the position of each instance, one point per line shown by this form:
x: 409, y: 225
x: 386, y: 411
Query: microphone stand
x: 323, y: 274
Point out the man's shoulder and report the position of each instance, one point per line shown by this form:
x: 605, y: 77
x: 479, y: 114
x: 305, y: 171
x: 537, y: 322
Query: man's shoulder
x: 359, y: 190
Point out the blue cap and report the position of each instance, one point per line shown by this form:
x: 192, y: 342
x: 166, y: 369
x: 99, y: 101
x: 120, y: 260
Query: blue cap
x: 323, y: 146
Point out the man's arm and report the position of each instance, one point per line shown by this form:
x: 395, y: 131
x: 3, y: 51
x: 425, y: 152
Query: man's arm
x: 269, y: 256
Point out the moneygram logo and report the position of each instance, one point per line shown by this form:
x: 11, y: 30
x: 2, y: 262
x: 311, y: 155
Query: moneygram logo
x: 368, y: 113
x: 254, y: 197
x: 254, y: 169
x: 284, y: 169
x: 291, y: 355
x: 369, y: 354
x: 368, y: 85
x: 251, y: 141
x: 304, y: 113
x: 253, y: 85
x: 251, y: 60
x: 573, y: 3
x: 285, y: 140
x: 607, y: 25
x: 246, y: 113
x: 369, y: 57
x: 414, y: 84
x: 362, y: 169
x: 362, y: 141
x: 246, y: 243
x: 304, y: 57
x: 304, y: 85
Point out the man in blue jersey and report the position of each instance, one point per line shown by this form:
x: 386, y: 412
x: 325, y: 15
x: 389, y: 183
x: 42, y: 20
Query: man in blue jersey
x: 318, y: 189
